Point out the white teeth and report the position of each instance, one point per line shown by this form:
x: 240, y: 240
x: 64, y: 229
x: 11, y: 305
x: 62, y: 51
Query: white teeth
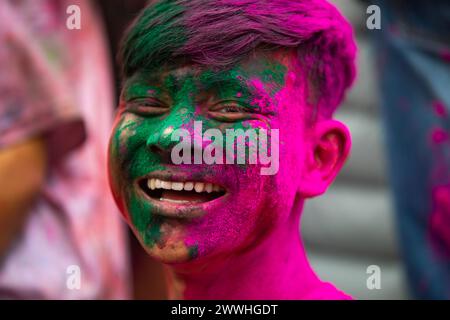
x: 178, y: 186
x: 188, y: 186
x: 151, y: 184
x: 166, y: 185
x: 199, y: 186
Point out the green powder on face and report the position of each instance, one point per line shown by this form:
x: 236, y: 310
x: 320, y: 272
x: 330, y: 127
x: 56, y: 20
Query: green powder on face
x: 193, y: 251
x: 146, y: 223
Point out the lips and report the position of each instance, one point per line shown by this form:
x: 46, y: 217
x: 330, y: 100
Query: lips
x: 181, y: 192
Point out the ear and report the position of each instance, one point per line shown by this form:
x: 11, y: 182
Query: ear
x: 327, y: 151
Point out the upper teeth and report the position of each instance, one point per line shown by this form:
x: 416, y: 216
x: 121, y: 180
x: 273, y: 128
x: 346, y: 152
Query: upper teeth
x: 178, y: 186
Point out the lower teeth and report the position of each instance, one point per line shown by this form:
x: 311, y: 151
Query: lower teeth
x: 180, y: 197
x: 174, y: 201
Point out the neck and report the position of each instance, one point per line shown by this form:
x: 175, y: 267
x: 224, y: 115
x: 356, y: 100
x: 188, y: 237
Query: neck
x: 275, y: 268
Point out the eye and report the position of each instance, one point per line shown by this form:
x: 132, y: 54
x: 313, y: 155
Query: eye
x: 229, y: 108
x: 230, y: 112
x: 146, y: 107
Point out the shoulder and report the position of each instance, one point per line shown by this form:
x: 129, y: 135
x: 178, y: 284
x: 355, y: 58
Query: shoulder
x: 327, y: 291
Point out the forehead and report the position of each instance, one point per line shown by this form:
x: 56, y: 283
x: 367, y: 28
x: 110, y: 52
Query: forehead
x: 270, y: 68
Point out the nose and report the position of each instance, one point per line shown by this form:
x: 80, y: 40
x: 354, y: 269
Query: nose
x: 161, y: 144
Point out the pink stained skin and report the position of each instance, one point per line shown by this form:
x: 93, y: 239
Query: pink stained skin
x: 248, y: 242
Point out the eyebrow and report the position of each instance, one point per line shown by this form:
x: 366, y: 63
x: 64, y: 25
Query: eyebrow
x: 138, y: 86
x: 208, y: 81
x: 212, y: 81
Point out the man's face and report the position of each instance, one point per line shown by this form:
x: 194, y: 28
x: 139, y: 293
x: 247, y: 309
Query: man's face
x: 242, y: 205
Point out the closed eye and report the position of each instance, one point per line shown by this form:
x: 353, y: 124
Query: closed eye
x: 146, y: 107
x: 231, y: 109
x: 230, y: 112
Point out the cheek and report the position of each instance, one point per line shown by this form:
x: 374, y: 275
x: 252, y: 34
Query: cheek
x: 128, y: 148
x: 291, y: 173
x: 114, y: 152
x: 230, y: 225
x: 118, y: 149
x: 294, y: 140
x: 293, y: 150
x: 123, y: 131
x: 121, y: 149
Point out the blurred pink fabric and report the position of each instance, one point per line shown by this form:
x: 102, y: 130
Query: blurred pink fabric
x: 56, y: 83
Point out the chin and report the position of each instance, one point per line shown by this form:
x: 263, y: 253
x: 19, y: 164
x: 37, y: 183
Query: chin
x: 172, y: 252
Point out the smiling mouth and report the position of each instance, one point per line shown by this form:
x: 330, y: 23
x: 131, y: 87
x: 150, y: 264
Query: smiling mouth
x: 177, y: 192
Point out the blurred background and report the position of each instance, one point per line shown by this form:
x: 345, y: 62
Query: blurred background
x: 383, y: 209
x: 371, y: 216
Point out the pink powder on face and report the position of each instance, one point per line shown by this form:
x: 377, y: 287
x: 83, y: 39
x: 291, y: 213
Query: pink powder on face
x: 261, y: 98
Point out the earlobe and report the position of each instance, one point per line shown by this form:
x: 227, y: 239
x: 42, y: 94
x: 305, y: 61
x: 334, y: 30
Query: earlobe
x: 329, y: 148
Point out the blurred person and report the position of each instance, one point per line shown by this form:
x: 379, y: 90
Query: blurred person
x: 413, y: 49
x: 56, y: 212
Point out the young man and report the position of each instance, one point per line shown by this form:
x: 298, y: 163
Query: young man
x: 227, y: 229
